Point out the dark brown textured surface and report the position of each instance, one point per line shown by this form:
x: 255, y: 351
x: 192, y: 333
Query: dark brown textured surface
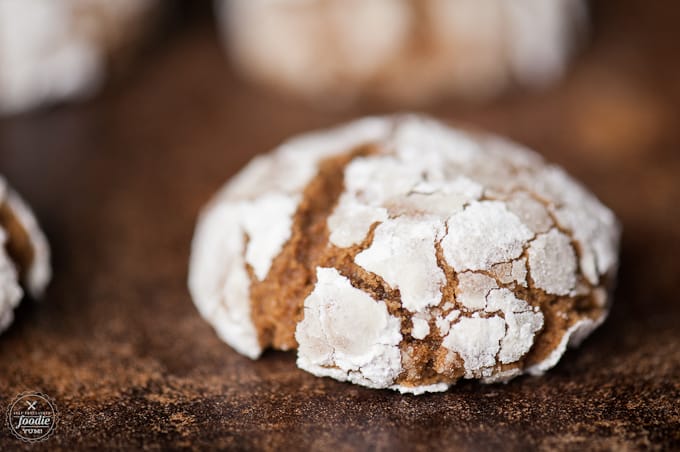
x: 118, y: 182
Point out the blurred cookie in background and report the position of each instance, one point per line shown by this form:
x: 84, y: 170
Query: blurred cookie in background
x: 56, y: 50
x: 400, y: 51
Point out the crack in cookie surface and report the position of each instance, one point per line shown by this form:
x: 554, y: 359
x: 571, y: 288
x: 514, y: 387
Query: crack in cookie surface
x: 276, y: 301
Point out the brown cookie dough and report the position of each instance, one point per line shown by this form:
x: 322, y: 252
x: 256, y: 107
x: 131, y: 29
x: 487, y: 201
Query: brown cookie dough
x: 399, y: 253
x: 24, y: 254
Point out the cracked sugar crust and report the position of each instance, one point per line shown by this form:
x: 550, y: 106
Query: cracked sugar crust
x: 24, y: 254
x: 403, y: 254
x: 482, y: 235
x: 400, y: 253
x: 347, y: 335
x: 235, y: 239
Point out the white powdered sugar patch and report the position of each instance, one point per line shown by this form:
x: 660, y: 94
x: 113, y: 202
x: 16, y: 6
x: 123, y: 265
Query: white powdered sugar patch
x: 294, y: 164
x: 424, y: 143
x: 267, y: 223
x: 257, y: 206
x: 436, y: 198
x: 553, y: 263
x: 484, y: 234
x: 477, y: 341
x: 591, y: 224
x: 409, y: 179
x: 444, y: 323
x: 522, y: 322
x: 327, y: 335
x: 519, y: 272
x: 509, y: 272
x: 507, y: 224
x: 307, y: 150
x: 419, y: 390
x: 218, y: 279
x: 420, y: 328
x: 370, y: 183
x: 351, y: 221
x: 530, y: 211
x: 473, y: 289
x: 403, y: 254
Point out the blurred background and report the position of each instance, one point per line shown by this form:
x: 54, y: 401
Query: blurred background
x: 119, y: 120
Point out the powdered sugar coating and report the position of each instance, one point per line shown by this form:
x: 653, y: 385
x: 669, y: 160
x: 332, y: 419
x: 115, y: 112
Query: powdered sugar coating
x: 267, y: 223
x: 522, y: 323
x: 327, y: 336
x: 509, y: 272
x: 419, y: 390
x: 532, y: 213
x: 218, y: 279
x: 482, y: 342
x: 403, y: 254
x: 484, y: 234
x: 473, y: 289
x: 553, y: 262
x: 461, y: 245
x: 477, y: 340
x: 351, y: 221
x: 592, y: 225
x: 257, y: 207
x: 420, y: 328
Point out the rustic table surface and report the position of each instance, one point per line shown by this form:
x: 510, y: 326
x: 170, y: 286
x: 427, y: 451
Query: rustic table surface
x: 117, y: 183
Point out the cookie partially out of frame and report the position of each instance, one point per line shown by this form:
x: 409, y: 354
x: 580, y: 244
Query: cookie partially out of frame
x: 412, y: 51
x: 400, y: 253
x: 24, y: 254
x: 58, y: 50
